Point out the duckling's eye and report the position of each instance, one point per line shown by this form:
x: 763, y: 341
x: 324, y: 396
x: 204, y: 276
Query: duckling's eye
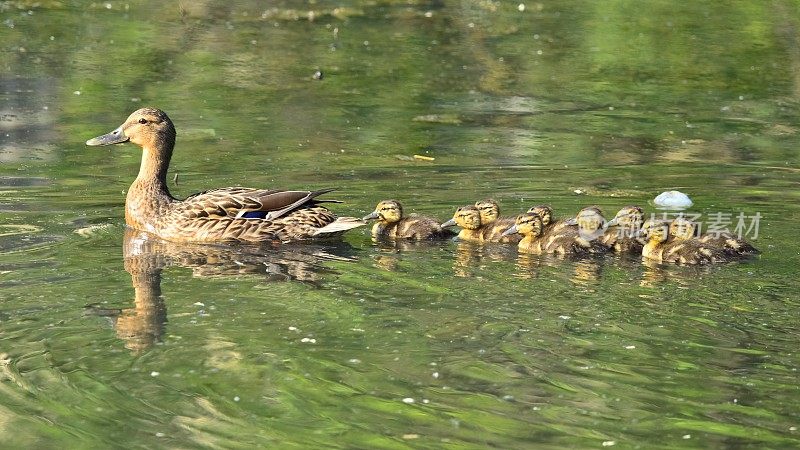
x: 142, y: 121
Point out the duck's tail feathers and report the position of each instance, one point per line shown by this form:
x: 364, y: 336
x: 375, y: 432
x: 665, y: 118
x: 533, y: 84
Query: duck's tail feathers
x: 338, y: 226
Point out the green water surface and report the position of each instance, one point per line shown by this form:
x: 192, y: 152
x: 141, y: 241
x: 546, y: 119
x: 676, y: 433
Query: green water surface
x: 109, y: 339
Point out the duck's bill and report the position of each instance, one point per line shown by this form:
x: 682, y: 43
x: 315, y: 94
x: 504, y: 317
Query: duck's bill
x: 512, y: 230
x: 371, y: 216
x: 449, y: 223
x: 115, y: 137
x: 611, y: 223
x: 571, y: 222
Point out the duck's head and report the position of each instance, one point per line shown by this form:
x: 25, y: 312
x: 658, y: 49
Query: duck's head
x: 682, y: 228
x: 527, y: 225
x: 545, y: 212
x: 655, y: 230
x: 489, y: 210
x: 468, y: 217
x: 149, y: 128
x: 387, y: 211
x: 629, y: 217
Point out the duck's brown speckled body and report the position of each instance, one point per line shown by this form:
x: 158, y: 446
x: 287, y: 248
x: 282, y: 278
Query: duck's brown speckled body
x: 391, y: 222
x: 226, y: 214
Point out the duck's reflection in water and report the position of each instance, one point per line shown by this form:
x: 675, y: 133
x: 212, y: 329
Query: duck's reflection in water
x: 145, y: 256
x: 388, y: 250
x: 471, y: 257
x: 655, y: 273
x: 584, y: 270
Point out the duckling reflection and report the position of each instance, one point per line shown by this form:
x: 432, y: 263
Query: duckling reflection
x: 145, y: 256
x: 468, y: 259
x: 586, y: 272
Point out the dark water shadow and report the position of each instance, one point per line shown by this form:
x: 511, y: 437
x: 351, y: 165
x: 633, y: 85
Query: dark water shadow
x: 146, y: 256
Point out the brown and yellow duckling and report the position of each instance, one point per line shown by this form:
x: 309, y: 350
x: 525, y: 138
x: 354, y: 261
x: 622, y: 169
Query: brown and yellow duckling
x: 581, y: 239
x: 732, y: 245
x: 550, y: 223
x: 659, y: 247
x: 492, y: 224
x: 226, y: 214
x: 391, y: 222
x: 530, y: 227
x: 468, y: 218
x: 623, y: 231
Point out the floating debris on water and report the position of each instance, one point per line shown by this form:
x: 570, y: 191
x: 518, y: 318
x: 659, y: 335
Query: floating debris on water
x: 92, y: 229
x: 449, y: 119
x: 673, y: 200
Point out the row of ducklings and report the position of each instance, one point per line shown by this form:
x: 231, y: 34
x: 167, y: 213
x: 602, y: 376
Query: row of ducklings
x: 538, y: 232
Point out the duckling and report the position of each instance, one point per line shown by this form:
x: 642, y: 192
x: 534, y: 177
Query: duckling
x: 545, y: 212
x: 469, y: 219
x: 492, y: 224
x: 732, y: 245
x: 624, y: 238
x: 581, y: 239
x: 219, y: 215
x: 392, y: 223
x: 679, y: 251
x: 530, y: 226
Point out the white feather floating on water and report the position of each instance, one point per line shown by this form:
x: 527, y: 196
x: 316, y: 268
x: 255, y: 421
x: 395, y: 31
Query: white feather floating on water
x: 673, y: 200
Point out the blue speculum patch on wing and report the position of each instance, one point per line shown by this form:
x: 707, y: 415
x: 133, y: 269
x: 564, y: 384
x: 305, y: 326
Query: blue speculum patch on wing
x: 254, y: 215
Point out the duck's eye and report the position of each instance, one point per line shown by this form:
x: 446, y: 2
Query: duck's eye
x: 142, y: 121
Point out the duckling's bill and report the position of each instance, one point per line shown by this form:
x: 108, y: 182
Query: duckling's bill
x: 510, y: 231
x: 371, y: 216
x: 449, y: 223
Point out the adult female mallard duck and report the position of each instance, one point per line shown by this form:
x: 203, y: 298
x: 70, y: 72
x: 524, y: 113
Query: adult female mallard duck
x: 622, y: 232
x: 659, y: 247
x: 581, y: 239
x: 492, y: 224
x: 530, y: 226
x: 730, y: 244
x: 226, y: 214
x: 469, y: 219
x: 392, y: 223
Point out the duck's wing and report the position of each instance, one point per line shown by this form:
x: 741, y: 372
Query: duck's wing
x: 248, y: 203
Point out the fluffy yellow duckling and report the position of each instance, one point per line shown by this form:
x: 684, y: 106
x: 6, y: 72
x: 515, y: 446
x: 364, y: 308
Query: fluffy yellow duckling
x: 492, y: 224
x: 622, y: 232
x: 531, y: 227
x: 392, y: 223
x: 679, y: 251
x: 585, y: 238
x: 469, y: 219
x: 732, y: 245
